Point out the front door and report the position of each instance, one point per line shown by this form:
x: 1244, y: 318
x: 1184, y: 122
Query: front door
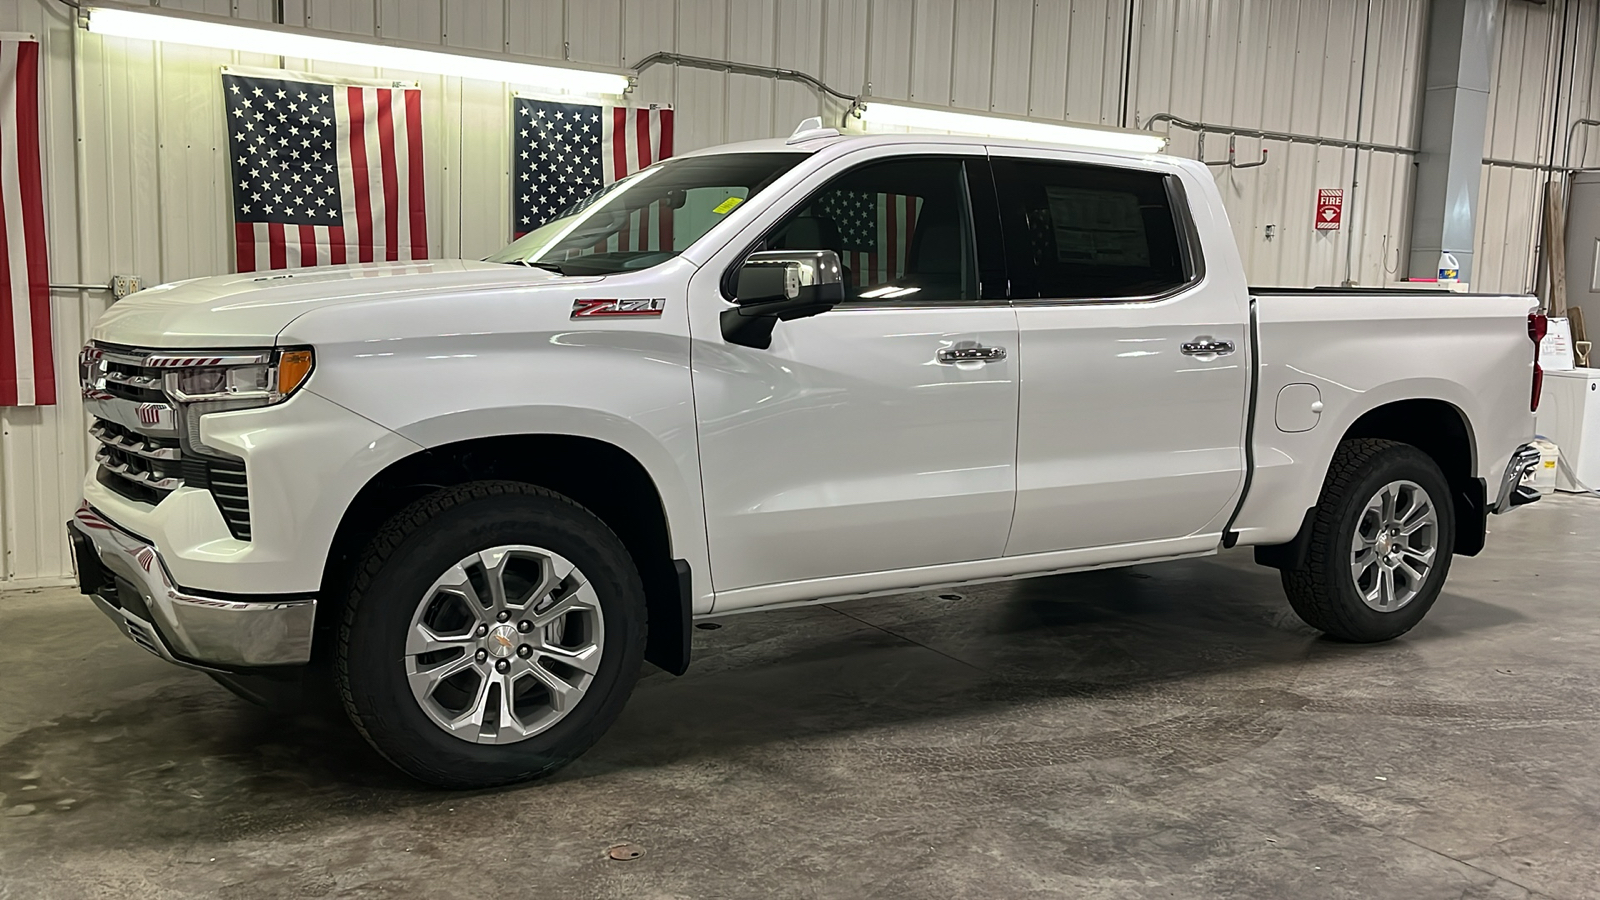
x: 853, y: 445
x: 1135, y: 373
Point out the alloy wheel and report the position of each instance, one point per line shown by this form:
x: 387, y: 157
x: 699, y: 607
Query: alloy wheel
x: 1393, y: 549
x: 504, y: 644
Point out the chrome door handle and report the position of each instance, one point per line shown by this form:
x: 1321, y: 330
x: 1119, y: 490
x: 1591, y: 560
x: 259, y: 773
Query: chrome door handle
x: 953, y: 355
x: 1207, y: 345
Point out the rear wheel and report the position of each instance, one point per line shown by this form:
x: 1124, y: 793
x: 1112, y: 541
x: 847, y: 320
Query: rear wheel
x: 494, y: 632
x: 1381, y: 541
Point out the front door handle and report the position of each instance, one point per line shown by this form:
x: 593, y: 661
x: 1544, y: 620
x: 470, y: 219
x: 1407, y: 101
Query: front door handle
x: 1205, y: 345
x: 953, y: 355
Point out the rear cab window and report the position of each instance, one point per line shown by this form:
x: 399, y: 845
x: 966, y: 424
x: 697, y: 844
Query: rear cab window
x: 1084, y: 232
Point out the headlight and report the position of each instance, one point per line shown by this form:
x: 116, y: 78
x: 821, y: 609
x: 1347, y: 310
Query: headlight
x: 248, y: 379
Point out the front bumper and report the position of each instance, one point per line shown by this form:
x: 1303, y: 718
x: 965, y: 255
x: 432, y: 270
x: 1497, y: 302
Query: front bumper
x: 1513, y: 493
x: 127, y: 579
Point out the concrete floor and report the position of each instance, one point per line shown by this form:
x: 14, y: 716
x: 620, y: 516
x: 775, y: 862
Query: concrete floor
x: 1165, y: 731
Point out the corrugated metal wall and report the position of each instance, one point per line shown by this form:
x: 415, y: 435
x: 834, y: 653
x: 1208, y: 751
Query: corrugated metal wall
x: 154, y: 151
x: 1294, y: 67
x: 1545, y: 79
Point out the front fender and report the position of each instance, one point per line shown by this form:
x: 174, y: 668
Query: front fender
x: 440, y: 370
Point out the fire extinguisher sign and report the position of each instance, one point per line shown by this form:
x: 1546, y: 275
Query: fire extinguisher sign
x: 1330, y: 208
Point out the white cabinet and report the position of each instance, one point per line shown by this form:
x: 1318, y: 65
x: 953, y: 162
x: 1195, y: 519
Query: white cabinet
x: 1569, y: 415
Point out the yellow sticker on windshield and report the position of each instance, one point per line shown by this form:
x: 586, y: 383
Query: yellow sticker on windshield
x: 727, y: 205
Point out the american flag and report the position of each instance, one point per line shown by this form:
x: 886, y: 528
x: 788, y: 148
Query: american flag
x: 27, y: 368
x: 324, y: 172
x: 563, y: 152
x: 875, y: 230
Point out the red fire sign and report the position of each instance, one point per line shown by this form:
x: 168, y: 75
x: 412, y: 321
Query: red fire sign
x: 1330, y: 208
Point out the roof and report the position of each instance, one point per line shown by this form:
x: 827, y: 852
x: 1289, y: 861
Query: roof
x: 812, y: 145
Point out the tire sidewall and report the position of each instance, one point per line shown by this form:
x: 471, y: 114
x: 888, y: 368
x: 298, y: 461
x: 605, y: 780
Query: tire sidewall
x: 1399, y: 463
x: 379, y: 693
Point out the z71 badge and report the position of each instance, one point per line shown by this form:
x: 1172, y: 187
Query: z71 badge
x: 584, y: 309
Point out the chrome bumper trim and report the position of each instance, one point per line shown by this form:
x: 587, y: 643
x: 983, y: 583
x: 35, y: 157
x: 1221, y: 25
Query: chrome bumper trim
x: 1513, y: 493
x: 184, y: 628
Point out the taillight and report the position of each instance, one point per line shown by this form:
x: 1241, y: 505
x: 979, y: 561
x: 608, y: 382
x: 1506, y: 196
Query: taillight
x: 1538, y: 324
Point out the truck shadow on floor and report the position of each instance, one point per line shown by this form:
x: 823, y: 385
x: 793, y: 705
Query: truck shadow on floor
x: 1169, y: 668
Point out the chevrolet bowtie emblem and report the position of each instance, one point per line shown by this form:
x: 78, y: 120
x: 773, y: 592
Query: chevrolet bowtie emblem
x: 504, y: 641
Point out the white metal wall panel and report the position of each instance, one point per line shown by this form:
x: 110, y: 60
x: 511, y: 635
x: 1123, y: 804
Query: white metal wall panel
x: 1013, y: 57
x: 932, y: 51
x: 535, y: 27
x: 405, y: 20
x: 1544, y: 79
x: 889, y: 48
x: 479, y: 25
x: 972, y: 53
x: 1293, y: 66
x: 798, y: 46
x: 156, y: 174
x: 751, y: 39
x: 593, y: 31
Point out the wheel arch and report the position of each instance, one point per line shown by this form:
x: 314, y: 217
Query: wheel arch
x: 1438, y: 428
x: 1442, y: 431
x: 601, y: 476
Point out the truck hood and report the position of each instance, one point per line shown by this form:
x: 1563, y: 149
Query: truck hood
x: 251, y: 308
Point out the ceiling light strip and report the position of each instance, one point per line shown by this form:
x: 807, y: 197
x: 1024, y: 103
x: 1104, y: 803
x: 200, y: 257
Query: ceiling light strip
x: 201, y: 31
x: 878, y: 112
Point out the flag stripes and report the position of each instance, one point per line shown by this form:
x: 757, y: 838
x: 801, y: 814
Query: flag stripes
x: 876, y: 230
x: 27, y: 365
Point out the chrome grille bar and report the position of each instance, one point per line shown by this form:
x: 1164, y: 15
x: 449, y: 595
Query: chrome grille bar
x: 149, y: 449
x: 145, y: 477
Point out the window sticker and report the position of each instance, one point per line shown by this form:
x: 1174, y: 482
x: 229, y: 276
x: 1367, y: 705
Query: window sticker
x: 1097, y: 227
x: 727, y: 205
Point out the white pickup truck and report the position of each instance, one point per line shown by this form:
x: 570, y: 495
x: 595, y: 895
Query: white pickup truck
x: 478, y: 495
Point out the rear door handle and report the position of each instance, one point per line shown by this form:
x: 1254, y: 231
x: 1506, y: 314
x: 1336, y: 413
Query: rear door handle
x: 953, y: 355
x: 1205, y: 345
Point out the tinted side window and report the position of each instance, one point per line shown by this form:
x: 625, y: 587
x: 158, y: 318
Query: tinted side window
x: 902, y: 229
x: 1082, y: 232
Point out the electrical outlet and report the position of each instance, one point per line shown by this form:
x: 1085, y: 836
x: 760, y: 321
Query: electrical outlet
x: 123, y: 285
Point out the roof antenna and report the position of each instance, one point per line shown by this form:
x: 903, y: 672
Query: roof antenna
x: 811, y: 129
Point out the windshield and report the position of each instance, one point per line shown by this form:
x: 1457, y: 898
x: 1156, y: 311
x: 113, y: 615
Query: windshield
x: 647, y: 218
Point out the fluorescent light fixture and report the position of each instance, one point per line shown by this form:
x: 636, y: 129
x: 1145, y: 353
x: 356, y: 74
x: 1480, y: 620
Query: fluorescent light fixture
x: 933, y: 119
x: 277, y: 41
x: 889, y: 292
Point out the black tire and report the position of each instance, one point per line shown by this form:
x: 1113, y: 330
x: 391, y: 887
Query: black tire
x: 400, y: 565
x: 1322, y: 590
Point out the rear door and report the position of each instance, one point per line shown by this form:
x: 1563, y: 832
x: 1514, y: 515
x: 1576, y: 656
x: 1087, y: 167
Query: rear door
x: 859, y: 442
x: 1134, y: 378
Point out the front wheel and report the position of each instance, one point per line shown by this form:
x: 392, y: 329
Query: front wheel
x: 1381, y: 541
x: 494, y: 632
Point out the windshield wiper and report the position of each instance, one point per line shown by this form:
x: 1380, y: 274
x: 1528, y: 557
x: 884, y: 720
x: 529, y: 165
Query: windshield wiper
x: 554, y: 267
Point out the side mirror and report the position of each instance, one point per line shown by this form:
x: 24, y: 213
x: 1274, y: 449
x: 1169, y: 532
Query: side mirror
x: 779, y: 285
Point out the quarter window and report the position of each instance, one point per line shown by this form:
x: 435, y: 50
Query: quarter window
x: 1085, y: 232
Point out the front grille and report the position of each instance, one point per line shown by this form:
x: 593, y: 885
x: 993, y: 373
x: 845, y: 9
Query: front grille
x: 145, y: 462
x: 142, y: 438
